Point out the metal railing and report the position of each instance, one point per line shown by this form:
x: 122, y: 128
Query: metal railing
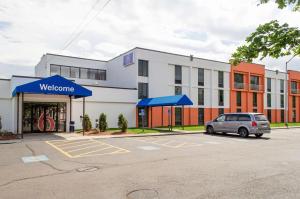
x: 256, y: 87
x: 295, y: 91
x: 238, y: 85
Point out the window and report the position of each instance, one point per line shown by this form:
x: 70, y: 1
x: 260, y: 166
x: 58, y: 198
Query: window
x: 281, y: 86
x: 294, y: 102
x: 244, y: 118
x: 142, y: 90
x: 269, y: 84
x: 254, y: 100
x: 102, y: 74
x: 294, y: 87
x: 269, y: 114
x: 260, y: 117
x: 221, y: 118
x: 239, y: 98
x: 282, y: 115
x: 269, y: 100
x: 254, y: 110
x: 200, y: 116
x: 143, y: 68
x: 221, y: 98
x: 200, y: 96
x: 178, y: 90
x: 221, y: 111
x: 200, y: 77
x: 83, y: 73
x: 254, y: 83
x: 54, y: 70
x: 178, y: 116
x: 178, y: 74
x: 221, y: 79
x: 238, y: 110
x: 231, y: 117
x: 281, y: 101
x: 294, y: 115
x: 74, y: 72
x: 65, y: 71
x: 238, y: 81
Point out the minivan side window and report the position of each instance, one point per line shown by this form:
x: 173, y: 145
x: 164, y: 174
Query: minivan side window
x: 244, y: 118
x: 231, y: 117
x: 221, y: 118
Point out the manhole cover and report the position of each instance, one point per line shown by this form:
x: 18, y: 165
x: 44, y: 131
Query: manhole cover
x: 88, y: 169
x: 143, y: 194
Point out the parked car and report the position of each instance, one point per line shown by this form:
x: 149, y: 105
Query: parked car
x: 240, y: 123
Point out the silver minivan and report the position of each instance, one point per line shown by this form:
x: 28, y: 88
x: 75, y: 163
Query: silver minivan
x: 240, y: 123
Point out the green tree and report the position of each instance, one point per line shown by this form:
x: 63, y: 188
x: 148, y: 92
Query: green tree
x: 270, y: 39
x: 86, y: 123
x: 102, y: 122
x: 122, y: 123
x: 295, y: 4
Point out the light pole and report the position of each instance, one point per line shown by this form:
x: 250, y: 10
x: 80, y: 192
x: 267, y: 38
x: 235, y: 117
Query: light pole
x: 287, y: 93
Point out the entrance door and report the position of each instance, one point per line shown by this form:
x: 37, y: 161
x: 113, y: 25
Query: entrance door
x: 49, y: 117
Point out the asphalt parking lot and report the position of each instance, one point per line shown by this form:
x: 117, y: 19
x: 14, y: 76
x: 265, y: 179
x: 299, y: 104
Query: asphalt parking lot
x: 178, y: 166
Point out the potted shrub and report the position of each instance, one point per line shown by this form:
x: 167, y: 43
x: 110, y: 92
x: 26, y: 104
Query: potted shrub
x: 122, y: 123
x: 102, y: 122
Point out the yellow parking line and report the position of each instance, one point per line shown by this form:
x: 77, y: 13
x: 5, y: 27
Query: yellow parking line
x: 72, y: 146
x: 79, y: 149
x: 73, y: 142
x: 83, y: 154
x: 108, y: 153
x: 109, y: 145
x: 60, y: 150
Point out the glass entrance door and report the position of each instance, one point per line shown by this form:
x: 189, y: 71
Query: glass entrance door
x: 41, y: 117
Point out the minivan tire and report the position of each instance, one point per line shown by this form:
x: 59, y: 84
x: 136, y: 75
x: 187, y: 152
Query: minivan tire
x: 243, y: 132
x: 258, y: 135
x: 210, y: 130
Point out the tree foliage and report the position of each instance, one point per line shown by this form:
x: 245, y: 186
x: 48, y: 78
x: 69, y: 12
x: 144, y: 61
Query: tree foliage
x: 270, y: 39
x: 122, y: 123
x: 102, y: 122
x: 86, y: 124
x: 295, y: 4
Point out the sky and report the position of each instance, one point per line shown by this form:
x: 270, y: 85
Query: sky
x: 210, y: 29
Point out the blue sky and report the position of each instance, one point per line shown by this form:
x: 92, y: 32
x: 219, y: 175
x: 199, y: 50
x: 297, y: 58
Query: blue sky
x: 209, y: 29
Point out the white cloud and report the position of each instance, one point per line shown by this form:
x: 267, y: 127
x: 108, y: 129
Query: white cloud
x: 209, y: 29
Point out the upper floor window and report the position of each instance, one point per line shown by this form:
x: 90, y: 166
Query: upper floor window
x: 143, y: 68
x: 254, y: 82
x: 178, y: 74
x: 200, y: 96
x: 221, y: 79
x: 239, y: 98
x: 76, y: 72
x: 221, y: 98
x: 269, y: 100
x: 294, y: 87
x: 269, y: 84
x: 200, y: 77
x: 281, y: 86
x: 178, y: 90
x: 238, y: 81
x: 142, y: 90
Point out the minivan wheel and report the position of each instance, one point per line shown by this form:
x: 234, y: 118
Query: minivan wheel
x: 210, y: 130
x: 243, y: 132
x: 258, y: 135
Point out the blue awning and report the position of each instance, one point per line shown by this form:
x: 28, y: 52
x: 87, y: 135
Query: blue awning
x: 175, y: 100
x: 55, y: 85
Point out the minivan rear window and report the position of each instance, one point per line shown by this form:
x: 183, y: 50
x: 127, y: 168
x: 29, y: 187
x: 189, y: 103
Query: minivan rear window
x: 260, y: 117
x: 244, y: 118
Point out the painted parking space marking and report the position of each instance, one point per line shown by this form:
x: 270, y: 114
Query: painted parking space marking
x: 85, y: 148
x: 167, y: 142
x: 38, y: 158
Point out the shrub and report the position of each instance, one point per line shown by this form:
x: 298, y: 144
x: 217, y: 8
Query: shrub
x: 102, y: 122
x: 86, y: 123
x: 122, y: 123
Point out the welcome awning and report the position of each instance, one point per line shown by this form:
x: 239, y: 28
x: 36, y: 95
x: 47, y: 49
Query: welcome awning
x: 175, y: 100
x: 54, y: 85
